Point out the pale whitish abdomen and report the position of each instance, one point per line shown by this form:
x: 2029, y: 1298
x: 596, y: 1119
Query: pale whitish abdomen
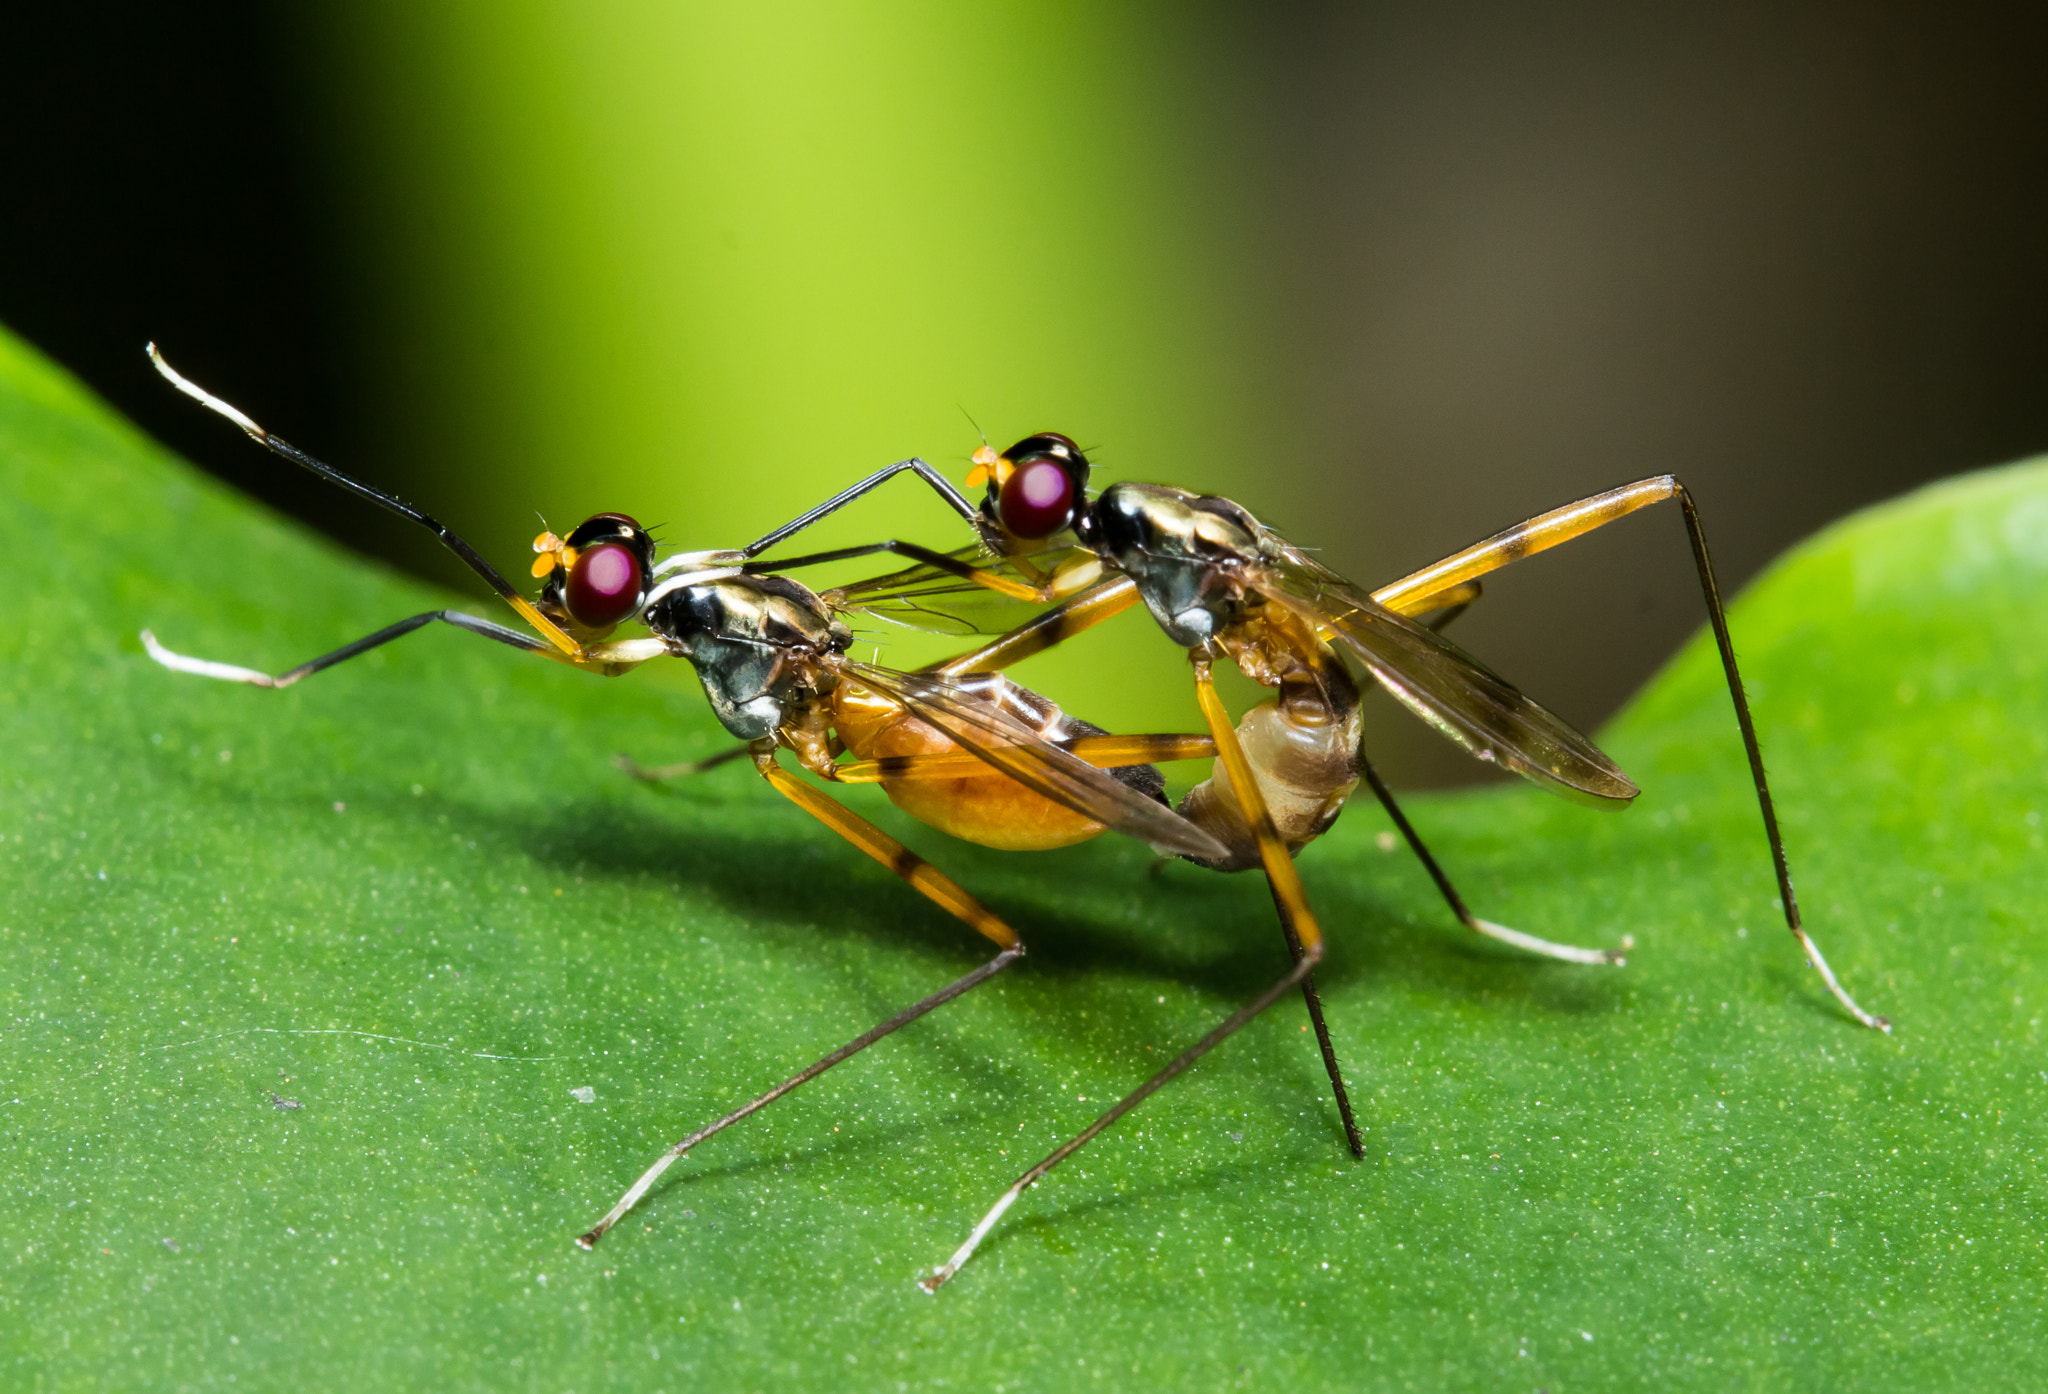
x: 1304, y: 754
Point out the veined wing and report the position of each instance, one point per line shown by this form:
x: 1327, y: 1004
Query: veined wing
x: 1024, y: 755
x: 1442, y: 684
x: 939, y: 601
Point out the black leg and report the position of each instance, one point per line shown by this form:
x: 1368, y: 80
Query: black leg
x: 1719, y: 618
x: 804, y: 1076
x: 277, y: 445
x: 1230, y: 1026
x: 953, y: 498
x: 1569, y: 953
x: 178, y: 662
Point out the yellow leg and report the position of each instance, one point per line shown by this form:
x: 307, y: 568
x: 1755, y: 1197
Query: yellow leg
x: 924, y: 878
x: 1429, y: 588
x: 1434, y: 586
x: 1279, y: 866
x: 1297, y: 921
x: 1305, y: 935
x: 1103, y: 752
x: 1101, y: 601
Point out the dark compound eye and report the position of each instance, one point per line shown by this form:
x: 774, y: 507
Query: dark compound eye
x: 1037, y: 499
x: 604, y: 585
x: 604, y: 527
x: 1047, y: 443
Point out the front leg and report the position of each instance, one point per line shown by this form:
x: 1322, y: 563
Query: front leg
x: 608, y: 659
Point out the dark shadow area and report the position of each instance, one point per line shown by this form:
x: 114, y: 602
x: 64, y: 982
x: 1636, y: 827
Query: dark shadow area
x: 1220, y: 936
x: 1045, y: 1226
x: 162, y: 184
x: 1224, y: 935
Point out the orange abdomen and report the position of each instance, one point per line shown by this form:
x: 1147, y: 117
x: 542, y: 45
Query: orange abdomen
x: 989, y: 808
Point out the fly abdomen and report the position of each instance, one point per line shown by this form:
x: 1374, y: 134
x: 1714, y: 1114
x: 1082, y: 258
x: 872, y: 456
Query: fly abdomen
x: 974, y: 801
x: 1304, y: 755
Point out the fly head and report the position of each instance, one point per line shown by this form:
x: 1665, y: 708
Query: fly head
x: 596, y: 578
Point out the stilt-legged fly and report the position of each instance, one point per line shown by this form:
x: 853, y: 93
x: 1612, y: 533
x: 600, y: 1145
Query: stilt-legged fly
x: 957, y: 745
x: 1218, y: 581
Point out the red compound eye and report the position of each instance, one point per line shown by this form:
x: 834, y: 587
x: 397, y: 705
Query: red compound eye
x: 604, y: 585
x: 1037, y: 499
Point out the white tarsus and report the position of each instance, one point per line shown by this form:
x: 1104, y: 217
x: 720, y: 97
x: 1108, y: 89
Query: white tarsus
x: 966, y: 1251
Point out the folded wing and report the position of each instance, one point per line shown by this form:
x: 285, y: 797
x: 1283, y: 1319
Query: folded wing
x: 1442, y: 684
x: 937, y: 601
x: 1036, y: 763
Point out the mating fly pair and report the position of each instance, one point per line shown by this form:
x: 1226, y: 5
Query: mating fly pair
x: 967, y: 752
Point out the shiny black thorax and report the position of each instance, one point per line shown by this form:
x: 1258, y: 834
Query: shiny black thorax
x: 1187, y: 552
x: 756, y: 643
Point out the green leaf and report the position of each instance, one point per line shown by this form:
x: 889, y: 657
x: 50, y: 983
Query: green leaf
x: 297, y: 986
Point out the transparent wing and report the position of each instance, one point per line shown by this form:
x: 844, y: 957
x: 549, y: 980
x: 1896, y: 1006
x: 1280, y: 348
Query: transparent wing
x: 1022, y: 753
x: 928, y: 598
x: 1446, y: 687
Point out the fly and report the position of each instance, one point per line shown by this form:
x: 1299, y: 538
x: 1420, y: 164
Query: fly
x: 1220, y: 583
x: 960, y: 747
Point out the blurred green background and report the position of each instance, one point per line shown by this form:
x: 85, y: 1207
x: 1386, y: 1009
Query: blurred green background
x: 1391, y: 277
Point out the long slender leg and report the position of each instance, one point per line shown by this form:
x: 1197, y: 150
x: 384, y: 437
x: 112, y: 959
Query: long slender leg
x: 1091, y: 607
x: 939, y: 561
x: 1229, y: 1027
x: 1104, y: 600
x: 956, y: 988
x: 952, y: 497
x: 1567, y: 952
x: 655, y: 774
x: 1287, y: 892
x: 1421, y: 591
x: 277, y: 445
x: 1428, y: 588
x: 1297, y: 922
x: 1719, y: 617
x: 923, y: 877
x: 607, y: 658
